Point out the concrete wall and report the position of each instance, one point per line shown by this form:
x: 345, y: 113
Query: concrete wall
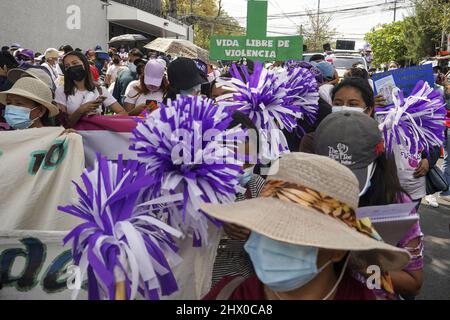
x: 40, y: 24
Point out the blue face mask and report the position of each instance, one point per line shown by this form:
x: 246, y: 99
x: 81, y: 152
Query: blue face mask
x: 245, y: 178
x: 282, y: 266
x: 18, y: 117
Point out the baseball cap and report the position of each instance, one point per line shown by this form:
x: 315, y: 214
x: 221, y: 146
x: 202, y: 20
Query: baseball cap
x: 353, y: 139
x: 203, y: 67
x: 27, y: 53
x: 326, y: 68
x: 153, y: 73
x: 162, y: 61
x: 184, y: 74
x: 51, y: 53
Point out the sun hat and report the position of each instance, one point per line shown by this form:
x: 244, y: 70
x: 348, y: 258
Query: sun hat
x: 154, y: 73
x: 32, y: 89
x: 351, y: 138
x: 311, y: 201
x: 51, y: 53
x: 39, y: 73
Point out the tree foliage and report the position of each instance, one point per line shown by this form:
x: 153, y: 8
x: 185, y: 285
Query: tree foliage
x: 207, y: 17
x: 414, y: 38
x: 318, y: 32
x: 388, y: 43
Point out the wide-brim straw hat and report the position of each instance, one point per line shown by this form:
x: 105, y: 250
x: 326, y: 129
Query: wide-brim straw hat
x: 32, y: 89
x: 304, y: 222
x: 37, y: 73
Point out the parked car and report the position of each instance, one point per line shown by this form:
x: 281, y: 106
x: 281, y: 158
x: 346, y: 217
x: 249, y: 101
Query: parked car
x: 344, y: 62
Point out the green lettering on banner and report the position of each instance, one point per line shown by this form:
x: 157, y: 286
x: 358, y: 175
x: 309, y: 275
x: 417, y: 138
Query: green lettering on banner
x: 256, y: 45
x: 48, y: 159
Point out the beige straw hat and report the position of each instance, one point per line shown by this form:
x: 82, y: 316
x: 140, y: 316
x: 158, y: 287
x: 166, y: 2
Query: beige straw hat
x: 37, y: 73
x: 35, y: 90
x: 311, y: 202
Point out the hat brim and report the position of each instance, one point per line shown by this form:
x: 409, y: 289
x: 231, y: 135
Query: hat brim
x: 190, y: 83
x: 16, y: 74
x: 296, y: 224
x: 52, y: 109
x: 152, y: 82
x: 361, y: 175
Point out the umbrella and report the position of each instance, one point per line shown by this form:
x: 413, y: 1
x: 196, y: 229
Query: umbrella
x: 128, y: 38
x: 179, y: 48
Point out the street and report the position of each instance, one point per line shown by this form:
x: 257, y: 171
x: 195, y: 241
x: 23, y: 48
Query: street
x: 435, y: 226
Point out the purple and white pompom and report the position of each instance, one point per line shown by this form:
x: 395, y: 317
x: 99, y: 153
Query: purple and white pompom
x: 302, y: 91
x: 116, y: 244
x: 274, y: 101
x: 416, y: 122
x: 184, y: 147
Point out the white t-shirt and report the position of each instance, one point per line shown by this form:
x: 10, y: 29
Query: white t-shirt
x: 406, y: 165
x: 133, y: 97
x: 53, y: 72
x: 325, y: 92
x: 113, y: 71
x: 72, y: 103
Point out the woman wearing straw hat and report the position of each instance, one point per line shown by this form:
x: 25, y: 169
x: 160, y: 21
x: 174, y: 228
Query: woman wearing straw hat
x: 28, y: 104
x: 304, y: 232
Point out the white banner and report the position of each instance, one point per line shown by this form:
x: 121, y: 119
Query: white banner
x: 34, y: 265
x: 37, y: 167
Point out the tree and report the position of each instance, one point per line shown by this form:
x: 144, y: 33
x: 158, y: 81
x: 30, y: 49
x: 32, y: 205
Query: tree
x: 388, y: 43
x: 318, y: 32
x: 425, y: 30
x: 207, y: 17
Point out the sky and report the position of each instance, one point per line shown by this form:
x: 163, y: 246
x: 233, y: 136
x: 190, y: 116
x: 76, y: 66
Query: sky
x: 349, y: 25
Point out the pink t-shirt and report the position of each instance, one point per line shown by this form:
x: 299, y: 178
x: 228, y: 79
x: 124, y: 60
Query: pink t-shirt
x: 416, y: 262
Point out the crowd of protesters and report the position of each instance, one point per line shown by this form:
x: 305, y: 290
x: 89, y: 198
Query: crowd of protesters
x: 264, y: 253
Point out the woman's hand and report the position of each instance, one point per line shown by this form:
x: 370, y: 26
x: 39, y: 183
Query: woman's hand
x: 422, y: 169
x: 89, y: 107
x: 380, y: 101
x: 236, y: 232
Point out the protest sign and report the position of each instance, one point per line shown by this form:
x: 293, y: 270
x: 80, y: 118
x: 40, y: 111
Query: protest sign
x: 37, y: 167
x: 403, y: 78
x: 256, y: 45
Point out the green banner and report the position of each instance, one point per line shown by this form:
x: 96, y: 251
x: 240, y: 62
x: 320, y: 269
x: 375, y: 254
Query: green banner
x: 256, y: 45
x: 262, y: 49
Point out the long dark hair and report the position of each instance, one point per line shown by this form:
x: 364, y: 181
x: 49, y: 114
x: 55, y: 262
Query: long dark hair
x: 69, y: 86
x: 385, y: 186
x: 359, y: 84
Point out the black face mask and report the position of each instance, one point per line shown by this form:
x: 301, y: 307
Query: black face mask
x: 76, y: 73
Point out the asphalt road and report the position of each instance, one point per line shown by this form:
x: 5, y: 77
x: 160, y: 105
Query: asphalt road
x: 435, y: 226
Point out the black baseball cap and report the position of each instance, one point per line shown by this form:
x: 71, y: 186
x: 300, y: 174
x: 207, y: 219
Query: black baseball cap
x: 353, y: 139
x: 183, y: 74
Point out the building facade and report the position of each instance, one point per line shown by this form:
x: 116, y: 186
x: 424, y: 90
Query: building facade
x: 40, y: 24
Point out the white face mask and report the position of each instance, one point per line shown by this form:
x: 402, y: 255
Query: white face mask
x: 346, y: 108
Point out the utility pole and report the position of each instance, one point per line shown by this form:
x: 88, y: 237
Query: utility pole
x: 395, y: 10
x: 191, y: 9
x: 317, y: 26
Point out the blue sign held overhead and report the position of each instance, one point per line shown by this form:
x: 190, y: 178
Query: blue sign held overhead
x: 405, y: 79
